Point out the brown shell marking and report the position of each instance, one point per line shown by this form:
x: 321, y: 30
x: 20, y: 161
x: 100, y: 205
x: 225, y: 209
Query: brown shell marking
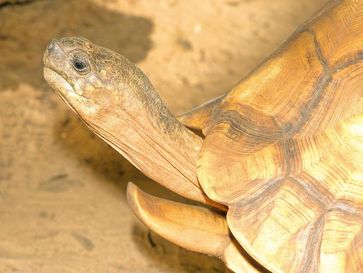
x: 284, y: 153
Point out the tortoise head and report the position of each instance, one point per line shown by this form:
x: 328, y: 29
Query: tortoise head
x: 93, y: 79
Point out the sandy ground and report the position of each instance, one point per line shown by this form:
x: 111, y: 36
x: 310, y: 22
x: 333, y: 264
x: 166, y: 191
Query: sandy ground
x: 62, y: 190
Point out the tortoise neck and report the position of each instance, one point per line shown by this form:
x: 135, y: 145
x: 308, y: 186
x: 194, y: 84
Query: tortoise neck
x: 153, y: 140
x: 169, y: 137
x: 173, y: 148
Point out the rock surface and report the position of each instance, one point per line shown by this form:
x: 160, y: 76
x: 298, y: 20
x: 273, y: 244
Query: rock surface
x: 62, y: 190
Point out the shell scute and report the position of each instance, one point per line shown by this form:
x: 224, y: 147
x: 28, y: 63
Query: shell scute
x: 347, y: 18
x: 284, y: 151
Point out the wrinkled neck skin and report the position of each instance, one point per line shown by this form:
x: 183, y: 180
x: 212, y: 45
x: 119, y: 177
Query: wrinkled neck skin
x: 141, y: 128
x: 118, y: 102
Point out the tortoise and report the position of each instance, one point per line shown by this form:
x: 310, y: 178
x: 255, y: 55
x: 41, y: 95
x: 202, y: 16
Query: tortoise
x: 278, y: 158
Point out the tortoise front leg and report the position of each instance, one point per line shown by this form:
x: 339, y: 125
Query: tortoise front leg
x: 191, y: 227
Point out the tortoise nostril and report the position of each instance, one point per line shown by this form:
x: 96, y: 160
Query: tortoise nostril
x: 52, y: 46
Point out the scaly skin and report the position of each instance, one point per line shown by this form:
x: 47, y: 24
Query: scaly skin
x: 118, y: 102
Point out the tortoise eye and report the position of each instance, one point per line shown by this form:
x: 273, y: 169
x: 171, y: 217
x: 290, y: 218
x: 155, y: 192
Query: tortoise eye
x: 79, y: 64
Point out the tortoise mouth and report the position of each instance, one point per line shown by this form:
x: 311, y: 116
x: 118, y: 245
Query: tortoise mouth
x: 60, y: 84
x: 57, y: 81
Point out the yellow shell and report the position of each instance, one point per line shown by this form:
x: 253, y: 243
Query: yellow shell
x: 283, y: 150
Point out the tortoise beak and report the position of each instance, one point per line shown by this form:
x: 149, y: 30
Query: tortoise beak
x: 53, y: 51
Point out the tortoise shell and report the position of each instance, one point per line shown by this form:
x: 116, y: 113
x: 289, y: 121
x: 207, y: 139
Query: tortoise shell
x: 283, y: 150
